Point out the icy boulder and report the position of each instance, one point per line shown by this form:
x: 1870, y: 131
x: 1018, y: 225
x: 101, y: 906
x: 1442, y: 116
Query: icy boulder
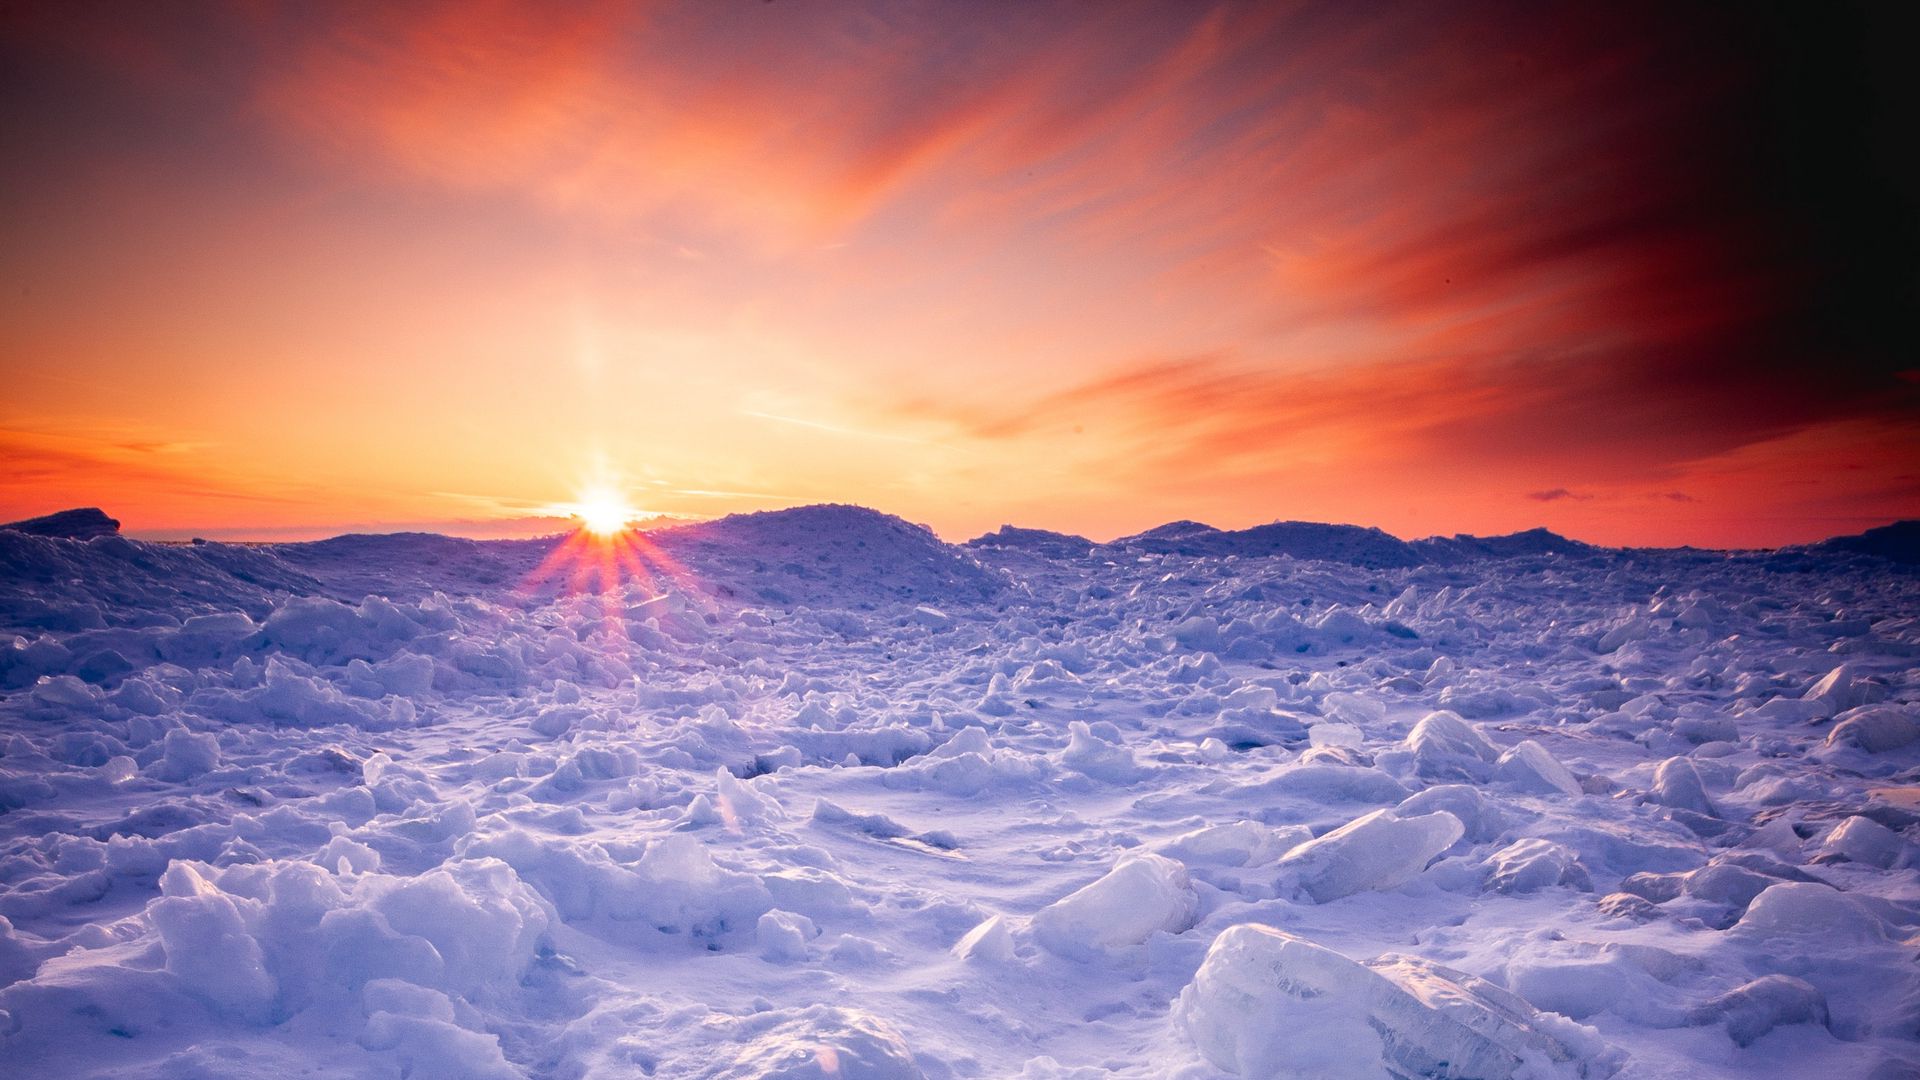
x: 1806, y: 909
x: 1842, y: 689
x: 1097, y: 758
x: 1758, y: 1007
x: 1530, y: 768
x: 1526, y: 866
x: 1676, y: 784
x: 1267, y: 1004
x: 1345, y: 708
x: 1380, y: 850
x: 1863, y: 840
x: 783, y: 935
x: 1637, y: 628
x: 1483, y: 818
x: 208, y: 945
x: 821, y: 1043
x: 1445, y: 747
x: 1235, y: 843
x: 1141, y: 896
x: 185, y: 755
x: 990, y: 942
x: 1875, y: 730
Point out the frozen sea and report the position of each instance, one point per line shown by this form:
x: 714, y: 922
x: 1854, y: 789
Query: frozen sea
x: 814, y: 794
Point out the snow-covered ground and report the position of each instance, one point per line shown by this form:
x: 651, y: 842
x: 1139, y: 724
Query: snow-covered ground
x: 814, y: 794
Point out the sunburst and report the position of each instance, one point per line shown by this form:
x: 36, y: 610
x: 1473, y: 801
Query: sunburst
x: 610, y: 564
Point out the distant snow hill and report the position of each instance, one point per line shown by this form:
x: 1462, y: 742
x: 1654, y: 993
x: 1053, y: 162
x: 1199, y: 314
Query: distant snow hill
x: 72, y: 570
x: 1898, y: 542
x: 82, y: 524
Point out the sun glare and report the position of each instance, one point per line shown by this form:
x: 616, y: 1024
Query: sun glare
x: 603, y: 512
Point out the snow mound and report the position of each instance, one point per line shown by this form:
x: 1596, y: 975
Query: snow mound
x: 821, y: 1043
x: 828, y: 553
x: 1266, y: 1004
x: 1864, y: 840
x: 413, y: 566
x: 61, y: 584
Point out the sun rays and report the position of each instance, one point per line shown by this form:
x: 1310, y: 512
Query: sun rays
x: 613, y: 571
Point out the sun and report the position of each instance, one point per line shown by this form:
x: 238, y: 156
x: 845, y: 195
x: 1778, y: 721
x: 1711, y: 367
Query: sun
x: 603, y: 512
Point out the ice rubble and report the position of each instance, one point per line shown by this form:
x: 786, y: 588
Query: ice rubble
x: 822, y: 793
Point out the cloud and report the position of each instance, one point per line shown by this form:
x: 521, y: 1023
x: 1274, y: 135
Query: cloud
x: 1555, y: 495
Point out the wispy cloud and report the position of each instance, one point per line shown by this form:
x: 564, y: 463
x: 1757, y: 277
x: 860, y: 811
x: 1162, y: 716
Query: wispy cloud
x: 835, y: 429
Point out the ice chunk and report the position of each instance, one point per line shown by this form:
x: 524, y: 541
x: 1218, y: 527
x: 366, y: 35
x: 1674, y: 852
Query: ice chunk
x: 1482, y: 817
x: 1345, y: 708
x: 1863, y: 840
x: 1328, y: 783
x: 1725, y: 883
x: 932, y: 618
x: 1528, y: 865
x: 1758, y: 1007
x: 1530, y: 768
x: 418, y: 1025
x: 1380, y: 850
x: 1842, y: 689
x: 1445, y: 747
x: 742, y: 803
x: 1626, y: 905
x: 185, y: 754
x: 207, y: 945
x: 1676, y: 783
x: 821, y: 1043
x: 1096, y: 757
x: 1876, y: 730
x: 991, y: 941
x: 1809, y: 910
x: 1235, y: 843
x: 1334, y: 733
x: 783, y: 935
x: 1634, y: 629
x: 1199, y: 633
x: 1143, y: 895
x: 1268, y: 1005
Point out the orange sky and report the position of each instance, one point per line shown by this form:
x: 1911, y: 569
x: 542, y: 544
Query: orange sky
x: 287, y: 270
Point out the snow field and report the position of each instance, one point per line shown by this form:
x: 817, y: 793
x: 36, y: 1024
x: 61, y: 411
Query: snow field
x: 821, y: 796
